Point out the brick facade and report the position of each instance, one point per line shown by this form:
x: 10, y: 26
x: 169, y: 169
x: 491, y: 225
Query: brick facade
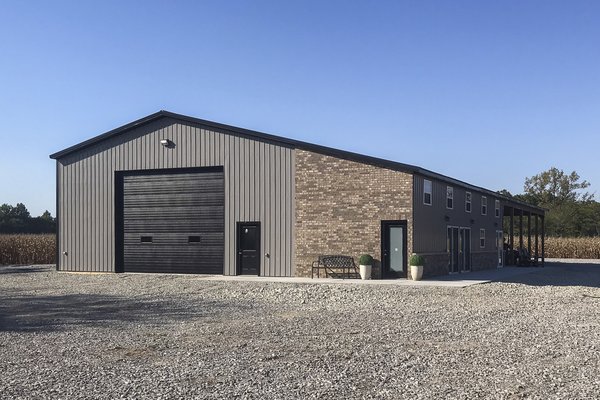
x: 436, y: 264
x: 340, y: 205
x: 484, y: 260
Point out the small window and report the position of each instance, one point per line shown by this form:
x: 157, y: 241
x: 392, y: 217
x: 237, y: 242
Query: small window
x: 193, y: 239
x: 483, y: 205
x: 497, y: 208
x: 449, y: 197
x: 427, y: 192
x: 468, y: 202
x: 146, y: 239
x: 482, y: 238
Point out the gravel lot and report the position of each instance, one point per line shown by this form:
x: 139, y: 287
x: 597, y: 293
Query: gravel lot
x: 72, y: 336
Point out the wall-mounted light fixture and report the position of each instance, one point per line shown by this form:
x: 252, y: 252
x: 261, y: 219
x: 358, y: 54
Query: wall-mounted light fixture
x: 472, y: 221
x: 446, y: 218
x: 166, y: 142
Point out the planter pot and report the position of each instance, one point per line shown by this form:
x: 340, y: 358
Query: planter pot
x: 365, y: 271
x: 416, y: 272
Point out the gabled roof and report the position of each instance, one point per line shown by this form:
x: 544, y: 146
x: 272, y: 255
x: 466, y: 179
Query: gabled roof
x: 286, y: 142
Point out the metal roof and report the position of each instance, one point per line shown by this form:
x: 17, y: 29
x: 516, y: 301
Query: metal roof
x: 347, y: 155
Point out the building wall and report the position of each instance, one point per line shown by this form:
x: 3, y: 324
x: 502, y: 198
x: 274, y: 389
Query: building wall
x: 340, y: 205
x: 431, y: 222
x: 259, y: 186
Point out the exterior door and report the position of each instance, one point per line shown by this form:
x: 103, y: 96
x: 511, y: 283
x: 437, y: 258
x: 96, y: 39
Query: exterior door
x: 248, y: 248
x: 458, y: 241
x: 452, y: 245
x: 466, y: 249
x: 393, y: 249
x: 170, y: 221
x: 500, y: 248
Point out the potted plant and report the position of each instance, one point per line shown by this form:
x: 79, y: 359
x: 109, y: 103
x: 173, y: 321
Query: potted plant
x: 416, y: 266
x: 365, y: 266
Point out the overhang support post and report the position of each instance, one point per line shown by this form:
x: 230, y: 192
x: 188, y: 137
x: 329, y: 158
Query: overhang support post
x: 543, y: 241
x: 511, y: 239
x: 520, y: 229
x: 529, y: 233
x: 537, y: 233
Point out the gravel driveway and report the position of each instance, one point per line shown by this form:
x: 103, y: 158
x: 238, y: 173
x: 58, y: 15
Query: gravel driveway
x: 72, y: 336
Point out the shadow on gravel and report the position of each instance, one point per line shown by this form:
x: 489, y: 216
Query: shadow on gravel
x: 54, y: 313
x: 560, y: 274
x: 21, y: 269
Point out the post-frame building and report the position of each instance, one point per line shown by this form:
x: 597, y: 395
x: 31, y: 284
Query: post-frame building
x: 172, y: 193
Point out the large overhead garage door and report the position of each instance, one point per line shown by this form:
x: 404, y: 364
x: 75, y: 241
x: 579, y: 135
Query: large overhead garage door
x: 173, y: 221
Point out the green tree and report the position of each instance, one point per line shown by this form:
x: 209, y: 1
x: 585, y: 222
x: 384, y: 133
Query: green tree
x: 14, y: 218
x: 17, y: 219
x: 46, y: 216
x: 572, y: 211
x: 554, y: 187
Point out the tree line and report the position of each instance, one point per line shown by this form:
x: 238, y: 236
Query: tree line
x: 572, y: 211
x: 17, y: 219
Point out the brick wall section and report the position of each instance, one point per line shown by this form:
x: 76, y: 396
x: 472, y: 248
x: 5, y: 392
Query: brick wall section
x: 340, y: 205
x: 485, y: 260
x: 437, y: 264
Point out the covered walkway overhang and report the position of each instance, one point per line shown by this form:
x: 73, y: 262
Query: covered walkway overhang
x: 522, y: 221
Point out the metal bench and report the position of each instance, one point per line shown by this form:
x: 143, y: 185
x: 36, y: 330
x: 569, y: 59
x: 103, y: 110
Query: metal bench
x: 526, y: 259
x: 335, y: 266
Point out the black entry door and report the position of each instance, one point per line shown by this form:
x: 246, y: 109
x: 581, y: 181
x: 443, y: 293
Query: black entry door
x: 248, y: 248
x: 393, y: 249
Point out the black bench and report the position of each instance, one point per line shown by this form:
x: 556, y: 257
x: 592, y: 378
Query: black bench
x: 526, y: 259
x: 335, y: 266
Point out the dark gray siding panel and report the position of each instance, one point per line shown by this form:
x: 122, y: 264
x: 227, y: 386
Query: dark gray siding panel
x: 259, y: 186
x: 430, y: 222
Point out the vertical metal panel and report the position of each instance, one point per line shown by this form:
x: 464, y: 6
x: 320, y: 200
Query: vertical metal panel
x: 259, y: 184
x: 272, y: 207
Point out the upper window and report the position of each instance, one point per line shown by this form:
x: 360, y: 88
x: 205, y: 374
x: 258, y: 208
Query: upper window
x: 497, y: 208
x: 449, y: 197
x: 482, y: 238
x: 483, y: 205
x: 468, y: 201
x: 427, y: 192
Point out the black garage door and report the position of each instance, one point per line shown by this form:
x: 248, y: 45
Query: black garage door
x: 173, y: 221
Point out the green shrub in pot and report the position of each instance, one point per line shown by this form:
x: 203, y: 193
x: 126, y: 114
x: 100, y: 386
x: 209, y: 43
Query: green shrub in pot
x: 365, y: 266
x: 416, y: 263
x: 416, y: 260
x: 365, y: 259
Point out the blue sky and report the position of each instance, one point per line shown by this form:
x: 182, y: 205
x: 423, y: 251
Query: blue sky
x: 486, y: 92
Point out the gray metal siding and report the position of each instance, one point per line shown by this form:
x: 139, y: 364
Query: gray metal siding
x: 430, y: 222
x: 259, y: 186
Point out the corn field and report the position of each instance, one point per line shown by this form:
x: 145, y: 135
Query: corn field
x: 41, y: 249
x: 581, y: 247
x: 27, y: 249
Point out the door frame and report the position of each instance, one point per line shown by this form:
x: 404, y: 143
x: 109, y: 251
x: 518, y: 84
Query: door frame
x: 384, y: 237
x: 500, y: 248
x: 466, y: 258
x: 238, y: 256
